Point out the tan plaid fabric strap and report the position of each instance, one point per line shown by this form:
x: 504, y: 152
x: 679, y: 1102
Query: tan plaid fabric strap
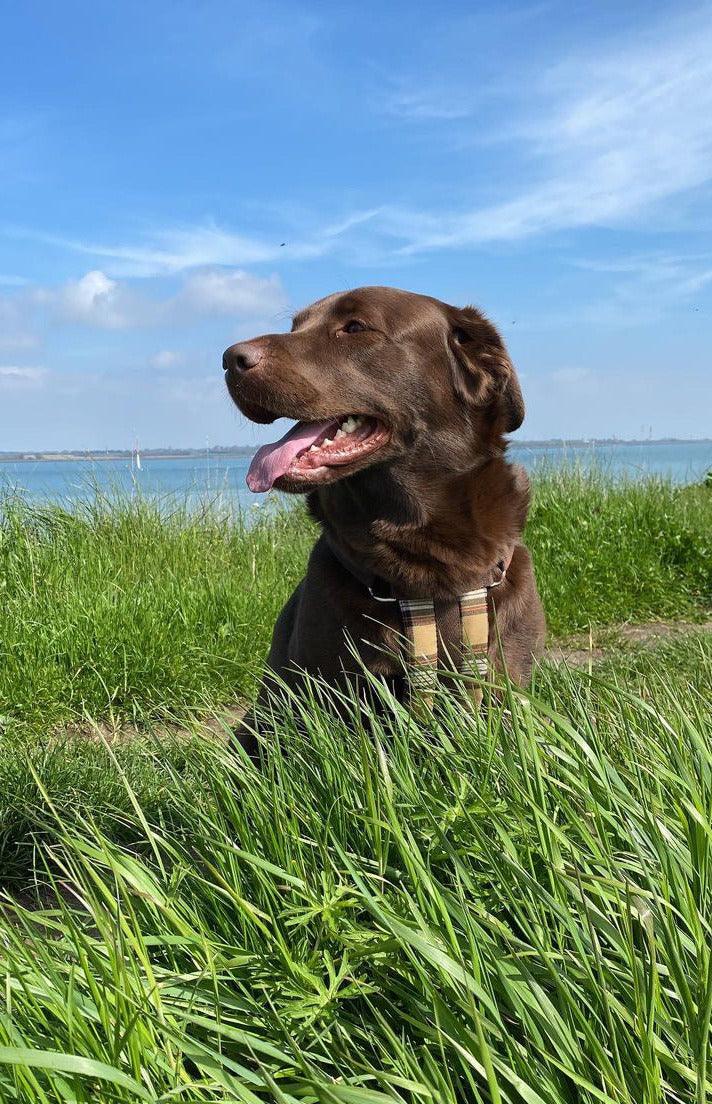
x: 475, y: 636
x: 421, y: 636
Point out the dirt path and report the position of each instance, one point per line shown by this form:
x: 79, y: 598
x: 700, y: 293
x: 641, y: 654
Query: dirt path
x: 579, y: 651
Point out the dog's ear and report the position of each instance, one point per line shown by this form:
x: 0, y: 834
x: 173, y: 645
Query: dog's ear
x: 483, y: 373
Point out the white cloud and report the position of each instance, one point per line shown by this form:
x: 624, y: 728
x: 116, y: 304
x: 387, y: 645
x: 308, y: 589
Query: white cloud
x: 17, y: 372
x: 644, y: 404
x: 206, y: 390
x: 94, y: 300
x: 174, y: 250
x: 166, y: 358
x: 216, y: 291
x: 602, y: 139
x: 98, y: 301
x: 13, y: 341
x: 609, y: 137
x: 637, y: 290
x: 657, y: 274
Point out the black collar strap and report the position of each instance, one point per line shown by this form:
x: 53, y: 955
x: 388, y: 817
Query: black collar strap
x: 382, y: 591
x: 379, y: 589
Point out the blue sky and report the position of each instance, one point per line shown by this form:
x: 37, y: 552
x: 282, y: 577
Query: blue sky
x: 551, y: 162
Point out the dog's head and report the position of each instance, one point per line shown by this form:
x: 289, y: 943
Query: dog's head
x: 375, y: 376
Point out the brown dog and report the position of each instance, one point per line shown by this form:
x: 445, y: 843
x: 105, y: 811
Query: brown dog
x: 402, y: 403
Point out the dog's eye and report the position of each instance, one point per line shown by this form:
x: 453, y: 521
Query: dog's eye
x: 460, y: 336
x: 354, y: 326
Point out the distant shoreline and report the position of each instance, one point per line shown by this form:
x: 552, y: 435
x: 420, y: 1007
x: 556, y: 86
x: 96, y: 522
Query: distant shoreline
x: 242, y: 451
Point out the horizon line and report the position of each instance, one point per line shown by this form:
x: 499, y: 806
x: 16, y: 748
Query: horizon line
x: 30, y: 454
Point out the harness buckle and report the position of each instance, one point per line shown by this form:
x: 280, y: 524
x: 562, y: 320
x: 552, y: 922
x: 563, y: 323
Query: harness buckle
x: 501, y: 579
x: 377, y: 597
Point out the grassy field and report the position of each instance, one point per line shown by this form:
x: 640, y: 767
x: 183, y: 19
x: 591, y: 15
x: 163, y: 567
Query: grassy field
x: 124, y: 611
x: 512, y: 910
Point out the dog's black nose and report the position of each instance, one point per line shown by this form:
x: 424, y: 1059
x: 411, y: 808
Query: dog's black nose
x: 242, y: 357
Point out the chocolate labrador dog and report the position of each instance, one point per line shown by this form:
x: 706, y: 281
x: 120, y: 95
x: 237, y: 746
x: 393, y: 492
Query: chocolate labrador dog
x: 401, y: 403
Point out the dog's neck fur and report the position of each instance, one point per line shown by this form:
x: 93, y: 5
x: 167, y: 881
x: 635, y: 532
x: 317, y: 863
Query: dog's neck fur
x: 441, y: 544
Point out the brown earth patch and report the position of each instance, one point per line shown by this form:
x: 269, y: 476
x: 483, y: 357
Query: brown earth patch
x: 219, y: 723
x: 580, y: 650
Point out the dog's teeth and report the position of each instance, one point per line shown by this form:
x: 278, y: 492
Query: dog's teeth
x: 339, y: 433
x: 313, y: 448
x: 350, y: 424
x: 327, y: 441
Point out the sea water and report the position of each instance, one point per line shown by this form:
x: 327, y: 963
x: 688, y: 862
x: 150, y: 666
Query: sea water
x: 197, y: 479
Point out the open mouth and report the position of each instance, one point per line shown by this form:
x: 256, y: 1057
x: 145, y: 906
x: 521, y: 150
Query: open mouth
x: 309, y: 452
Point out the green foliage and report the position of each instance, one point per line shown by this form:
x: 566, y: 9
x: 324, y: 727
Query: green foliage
x: 513, y: 910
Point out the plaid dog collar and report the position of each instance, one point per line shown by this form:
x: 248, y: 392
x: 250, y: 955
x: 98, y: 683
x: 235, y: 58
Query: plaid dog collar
x: 423, y: 629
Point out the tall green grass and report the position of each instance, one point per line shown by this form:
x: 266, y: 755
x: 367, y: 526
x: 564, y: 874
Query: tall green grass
x: 511, y: 910
x: 514, y: 910
x: 608, y: 551
x: 128, y: 608
x: 133, y: 610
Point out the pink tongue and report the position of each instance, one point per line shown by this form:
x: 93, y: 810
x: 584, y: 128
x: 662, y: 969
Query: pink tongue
x: 273, y: 460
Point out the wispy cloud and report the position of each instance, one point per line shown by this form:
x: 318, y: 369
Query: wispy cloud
x: 605, y: 138
x: 568, y: 376
x: 668, y: 275
x: 32, y: 317
x: 233, y: 292
x: 435, y: 102
x: 206, y: 391
x: 601, y: 139
x: 15, y: 376
x: 163, y: 252
x: 637, y: 290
